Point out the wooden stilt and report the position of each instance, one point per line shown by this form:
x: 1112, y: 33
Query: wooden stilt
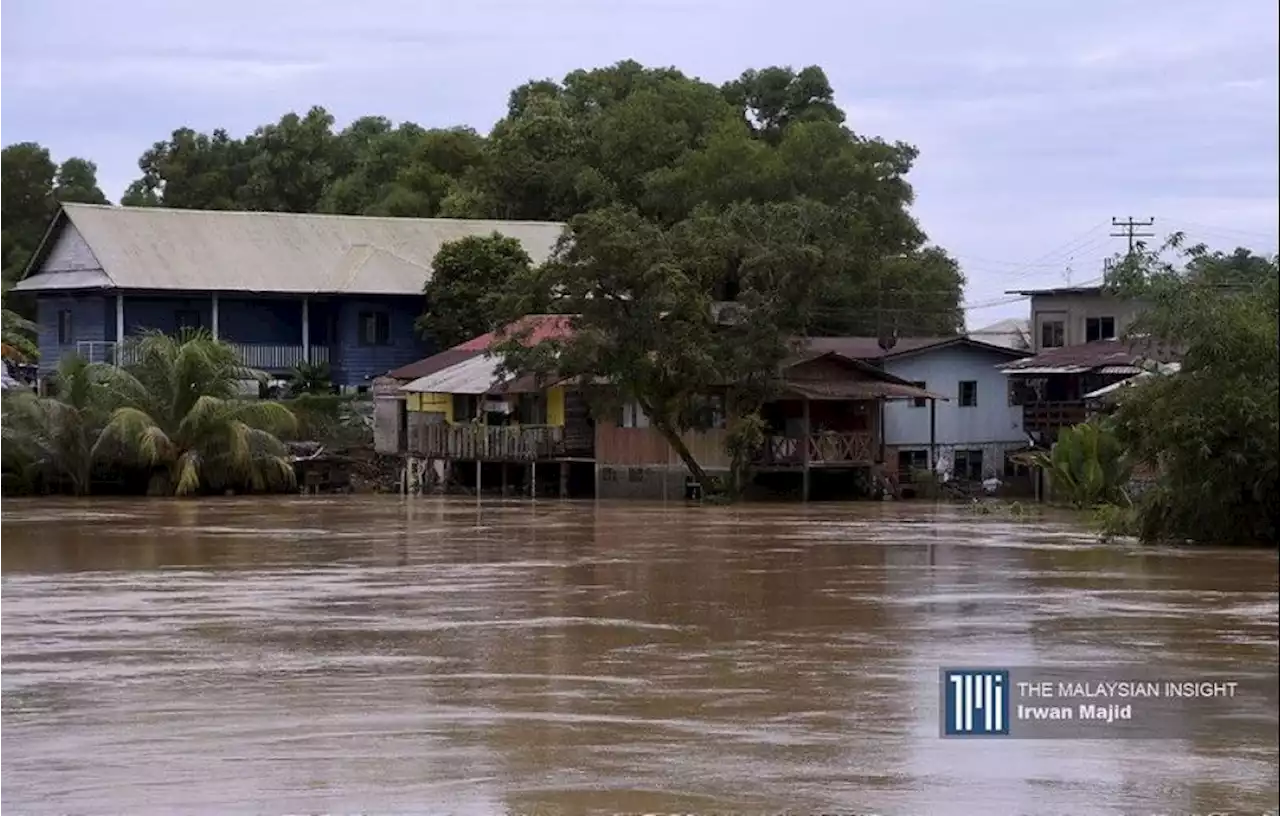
x: 533, y: 480
x: 564, y: 480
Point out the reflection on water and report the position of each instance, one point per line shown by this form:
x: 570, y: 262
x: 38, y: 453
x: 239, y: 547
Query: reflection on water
x: 376, y: 654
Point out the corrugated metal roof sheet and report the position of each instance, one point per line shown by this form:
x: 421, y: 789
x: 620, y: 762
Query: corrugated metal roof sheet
x: 156, y: 248
x: 432, y: 364
x: 858, y: 390
x: 540, y: 328
x: 478, y: 375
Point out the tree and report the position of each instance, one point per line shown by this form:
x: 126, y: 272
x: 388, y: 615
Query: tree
x: 26, y: 202
x: 181, y: 419
x: 1212, y: 431
x: 642, y: 300
x: 469, y: 284
x: 49, y: 440
x: 77, y: 182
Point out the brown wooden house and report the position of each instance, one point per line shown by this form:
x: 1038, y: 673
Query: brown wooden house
x: 829, y: 417
x: 1052, y: 387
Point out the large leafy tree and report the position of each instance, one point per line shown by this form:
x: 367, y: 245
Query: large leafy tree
x: 469, y: 286
x: 1212, y: 431
x: 667, y: 316
x: 181, y: 418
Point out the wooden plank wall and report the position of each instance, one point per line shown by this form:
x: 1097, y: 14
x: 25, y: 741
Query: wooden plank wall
x: 645, y: 446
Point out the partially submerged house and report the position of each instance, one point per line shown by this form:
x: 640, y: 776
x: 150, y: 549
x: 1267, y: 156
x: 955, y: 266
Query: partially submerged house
x: 282, y: 288
x: 1054, y: 387
x: 973, y: 431
x: 477, y: 426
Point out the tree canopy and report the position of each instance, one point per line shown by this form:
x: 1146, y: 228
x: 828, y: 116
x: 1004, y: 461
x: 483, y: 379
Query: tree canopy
x: 1212, y: 431
x: 469, y: 284
x: 31, y: 187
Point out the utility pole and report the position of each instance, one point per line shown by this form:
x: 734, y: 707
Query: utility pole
x: 1129, y: 229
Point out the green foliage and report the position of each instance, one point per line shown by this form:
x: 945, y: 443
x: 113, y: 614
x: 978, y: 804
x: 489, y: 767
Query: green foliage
x: 1212, y: 431
x: 311, y: 379
x: 31, y: 186
x: 180, y: 418
x: 19, y: 335
x: 470, y: 279
x: 330, y: 419
x: 1088, y: 466
x: 48, y: 441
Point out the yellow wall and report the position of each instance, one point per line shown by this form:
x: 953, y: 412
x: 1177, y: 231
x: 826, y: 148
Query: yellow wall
x: 443, y: 403
x: 438, y: 403
x: 555, y: 406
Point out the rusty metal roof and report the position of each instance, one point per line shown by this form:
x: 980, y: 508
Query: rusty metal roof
x: 230, y: 251
x: 432, y: 364
x: 858, y: 390
x: 1077, y: 359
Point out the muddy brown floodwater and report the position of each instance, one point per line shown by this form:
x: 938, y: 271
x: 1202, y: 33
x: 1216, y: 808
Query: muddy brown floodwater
x: 383, y: 655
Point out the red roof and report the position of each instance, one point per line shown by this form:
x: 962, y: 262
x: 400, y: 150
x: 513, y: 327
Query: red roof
x: 543, y: 327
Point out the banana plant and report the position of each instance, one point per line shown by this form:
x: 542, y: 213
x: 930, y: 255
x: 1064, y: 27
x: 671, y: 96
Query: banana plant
x: 1088, y: 465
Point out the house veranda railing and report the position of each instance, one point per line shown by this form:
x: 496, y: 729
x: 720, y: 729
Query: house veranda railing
x: 486, y: 442
x: 264, y: 356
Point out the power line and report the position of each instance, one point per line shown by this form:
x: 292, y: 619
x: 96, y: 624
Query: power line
x: 1129, y: 229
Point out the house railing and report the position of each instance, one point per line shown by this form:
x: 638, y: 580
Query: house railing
x: 486, y: 442
x: 824, y: 448
x: 1042, y: 416
x: 266, y: 356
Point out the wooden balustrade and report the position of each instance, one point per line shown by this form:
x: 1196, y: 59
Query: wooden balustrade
x: 825, y: 448
x: 486, y: 442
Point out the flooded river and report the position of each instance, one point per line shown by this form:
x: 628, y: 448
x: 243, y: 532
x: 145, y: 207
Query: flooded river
x: 380, y: 655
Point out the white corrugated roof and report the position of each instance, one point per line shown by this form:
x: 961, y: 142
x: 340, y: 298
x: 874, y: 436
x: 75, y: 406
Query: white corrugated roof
x: 1063, y: 369
x: 479, y: 375
x: 155, y: 248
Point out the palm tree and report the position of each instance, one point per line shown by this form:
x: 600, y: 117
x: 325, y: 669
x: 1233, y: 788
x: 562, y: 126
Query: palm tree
x: 49, y: 440
x: 183, y: 417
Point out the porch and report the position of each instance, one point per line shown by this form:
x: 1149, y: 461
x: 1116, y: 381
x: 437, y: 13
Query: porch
x: 821, y: 449
x: 262, y: 356
x: 486, y: 443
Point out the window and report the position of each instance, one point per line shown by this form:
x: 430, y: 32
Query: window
x: 465, y: 407
x: 1099, y: 328
x: 375, y: 329
x: 909, y: 461
x: 187, y: 319
x: 65, y: 333
x: 968, y: 393
x: 1017, y: 392
x: 919, y: 402
x: 968, y: 465
x: 633, y: 416
x: 1053, y: 334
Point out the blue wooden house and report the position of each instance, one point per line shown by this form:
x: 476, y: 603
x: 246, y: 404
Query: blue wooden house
x: 282, y: 288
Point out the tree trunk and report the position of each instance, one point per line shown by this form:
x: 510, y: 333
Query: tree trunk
x: 674, y: 440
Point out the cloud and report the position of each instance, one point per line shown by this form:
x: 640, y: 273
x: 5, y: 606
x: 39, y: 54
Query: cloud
x: 1036, y: 121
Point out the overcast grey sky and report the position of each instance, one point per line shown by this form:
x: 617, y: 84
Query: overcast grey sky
x: 1037, y: 120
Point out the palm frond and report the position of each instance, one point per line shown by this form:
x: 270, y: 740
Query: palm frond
x: 272, y: 417
x: 137, y: 435
x: 187, y: 469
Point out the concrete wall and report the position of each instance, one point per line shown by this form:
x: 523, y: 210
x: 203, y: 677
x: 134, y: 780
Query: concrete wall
x: 644, y: 481
x: 1075, y: 309
x: 992, y: 420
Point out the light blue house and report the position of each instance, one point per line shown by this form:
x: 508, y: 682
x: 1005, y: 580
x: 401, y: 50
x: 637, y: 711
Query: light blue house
x: 973, y: 430
x: 978, y: 425
x: 282, y: 288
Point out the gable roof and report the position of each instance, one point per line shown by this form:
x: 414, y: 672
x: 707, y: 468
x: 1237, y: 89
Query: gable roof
x: 868, y: 348
x: 230, y: 251
x: 1110, y: 356
x: 875, y: 382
